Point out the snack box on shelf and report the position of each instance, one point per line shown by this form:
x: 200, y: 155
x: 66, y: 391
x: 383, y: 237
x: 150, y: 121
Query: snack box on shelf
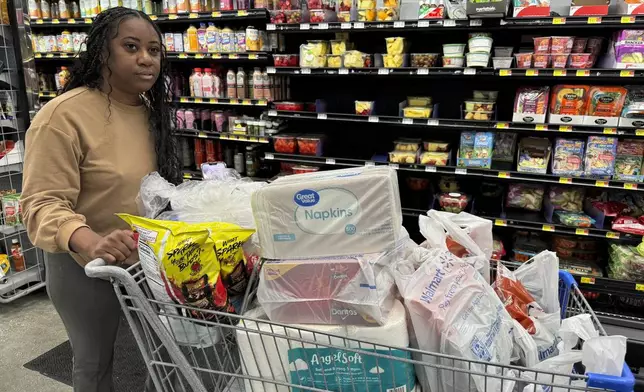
x: 531, y: 11
x: 630, y: 7
x: 475, y: 149
x: 489, y: 9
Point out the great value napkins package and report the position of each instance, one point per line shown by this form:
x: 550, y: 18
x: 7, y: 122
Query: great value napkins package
x: 283, y: 354
x: 339, y: 212
x: 351, y: 290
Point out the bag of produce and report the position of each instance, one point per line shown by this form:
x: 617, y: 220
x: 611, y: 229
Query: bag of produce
x: 625, y: 262
x: 526, y: 196
x: 567, y: 199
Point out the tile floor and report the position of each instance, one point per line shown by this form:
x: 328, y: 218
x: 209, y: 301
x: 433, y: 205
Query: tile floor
x: 29, y: 327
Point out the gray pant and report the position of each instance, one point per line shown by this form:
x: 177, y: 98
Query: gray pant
x: 90, y: 312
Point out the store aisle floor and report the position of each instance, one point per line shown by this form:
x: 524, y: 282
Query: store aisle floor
x: 29, y: 327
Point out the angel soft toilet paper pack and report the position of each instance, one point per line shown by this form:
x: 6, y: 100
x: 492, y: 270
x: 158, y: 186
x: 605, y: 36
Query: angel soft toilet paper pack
x: 340, y: 212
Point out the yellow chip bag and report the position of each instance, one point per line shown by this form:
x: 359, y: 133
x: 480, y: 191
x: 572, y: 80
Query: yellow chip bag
x: 201, y: 264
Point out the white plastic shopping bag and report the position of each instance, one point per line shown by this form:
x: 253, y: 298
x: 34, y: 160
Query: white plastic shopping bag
x: 525, y: 351
x: 540, y: 276
x: 562, y: 363
x: 604, y: 355
x: 574, y: 328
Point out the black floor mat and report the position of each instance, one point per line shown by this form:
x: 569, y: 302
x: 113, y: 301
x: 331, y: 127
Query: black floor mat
x: 129, y: 368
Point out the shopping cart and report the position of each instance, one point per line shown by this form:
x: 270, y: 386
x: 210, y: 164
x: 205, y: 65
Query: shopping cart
x: 234, y: 353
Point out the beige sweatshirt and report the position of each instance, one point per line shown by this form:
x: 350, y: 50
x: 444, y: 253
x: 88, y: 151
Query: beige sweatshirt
x: 85, y: 157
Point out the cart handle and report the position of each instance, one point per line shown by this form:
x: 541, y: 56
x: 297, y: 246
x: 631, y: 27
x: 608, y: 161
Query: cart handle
x: 99, y: 269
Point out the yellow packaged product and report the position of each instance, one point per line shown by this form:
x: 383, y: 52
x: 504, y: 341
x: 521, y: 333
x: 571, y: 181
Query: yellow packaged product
x: 366, y: 15
x: 344, y: 16
x: 367, y: 4
x: 393, y: 60
x: 338, y: 46
x: 319, y: 48
x: 333, y: 61
x: 417, y: 112
x: 419, y: 101
x: 403, y: 157
x: 387, y: 13
x: 355, y: 59
x: 395, y: 45
x: 202, y: 264
x: 391, y: 3
x: 4, y: 265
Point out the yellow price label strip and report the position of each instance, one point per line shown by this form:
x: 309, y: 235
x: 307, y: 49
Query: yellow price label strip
x: 252, y: 139
x: 234, y: 102
x: 89, y: 21
x: 38, y: 55
x: 173, y: 16
x: 559, y: 72
x: 504, y: 175
x: 216, y: 14
x: 233, y: 56
x: 216, y: 56
x: 612, y: 235
x: 246, y: 102
x: 242, y: 13
x: 49, y: 55
x: 193, y: 16
x: 71, y: 21
x: 64, y: 55
x: 55, y: 21
x: 39, y: 21
x: 183, y: 100
x: 153, y: 17
x: 187, y: 175
x: 198, y: 100
x: 594, y: 20
x: 500, y: 222
x: 262, y: 102
x: 505, y: 72
x: 502, y: 125
x: 200, y: 56
x: 550, y: 228
x: 587, y: 280
x: 565, y: 180
x: 626, y: 73
x: 565, y: 128
x: 541, y: 127
x: 558, y: 21
x: 582, y: 72
x: 601, y: 184
x: 224, y: 137
x: 639, y: 132
x: 630, y: 186
x: 627, y: 19
x: 639, y: 287
x: 610, y: 131
x: 581, y: 231
x: 213, y: 100
x: 253, y: 57
x: 532, y: 72
x: 202, y: 134
x: 183, y: 56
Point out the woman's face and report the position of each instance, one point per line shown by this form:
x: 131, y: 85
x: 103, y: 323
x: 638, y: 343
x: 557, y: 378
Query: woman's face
x: 134, y: 58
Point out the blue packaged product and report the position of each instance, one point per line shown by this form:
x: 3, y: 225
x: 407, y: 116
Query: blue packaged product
x: 600, y: 156
x: 568, y: 159
x: 475, y: 149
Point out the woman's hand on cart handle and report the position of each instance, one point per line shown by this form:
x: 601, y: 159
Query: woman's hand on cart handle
x: 114, y: 248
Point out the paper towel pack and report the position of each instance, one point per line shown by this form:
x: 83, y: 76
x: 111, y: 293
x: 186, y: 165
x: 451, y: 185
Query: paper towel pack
x: 357, y: 290
x: 332, y: 213
x: 267, y: 356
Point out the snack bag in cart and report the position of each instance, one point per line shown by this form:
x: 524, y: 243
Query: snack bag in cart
x: 201, y: 264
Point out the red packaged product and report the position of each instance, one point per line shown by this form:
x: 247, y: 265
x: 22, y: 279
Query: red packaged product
x: 290, y: 106
x: 516, y: 298
x: 561, y: 45
x: 628, y: 224
x: 301, y: 169
x: 285, y: 60
x: 559, y: 60
x: 610, y: 208
x: 540, y: 60
x: 541, y: 44
x: 310, y: 145
x: 569, y: 99
x: 285, y: 144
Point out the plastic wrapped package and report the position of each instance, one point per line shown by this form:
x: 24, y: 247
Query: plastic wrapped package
x: 606, y: 101
x: 424, y: 60
x: 313, y: 54
x: 321, y: 4
x: 504, y: 147
x: 628, y: 163
x: 574, y: 219
x: 356, y: 59
x: 286, y: 16
x: 433, y: 158
x: 419, y: 101
x: 569, y: 100
x: 634, y: 103
x: 453, y: 202
x: 407, y: 145
x: 625, y: 262
x: 387, y: 14
x: 352, y: 290
x: 567, y: 198
x: 568, y: 158
x: 531, y: 101
x: 395, y: 45
x: 364, y: 108
x: 320, y: 214
x: 525, y: 196
x: 366, y: 14
x: 599, y: 161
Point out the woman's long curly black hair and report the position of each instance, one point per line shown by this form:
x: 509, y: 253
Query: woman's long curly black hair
x: 89, y: 73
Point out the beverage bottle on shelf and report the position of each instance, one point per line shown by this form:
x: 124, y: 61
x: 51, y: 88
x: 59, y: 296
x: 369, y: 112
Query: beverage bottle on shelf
x: 182, y: 6
x: 63, y: 76
x: 195, y: 6
x: 193, y: 41
x: 34, y: 9
x: 197, y: 121
x: 196, y: 83
x: 217, y: 85
x: 83, y: 7
x: 177, y: 38
x: 67, y: 42
x: 96, y: 8
x: 205, y: 6
x: 241, y: 83
x: 266, y: 86
x: 206, y: 120
x: 227, y: 39
x: 17, y: 256
x: 200, y: 153
x: 211, y: 38
x: 201, y: 38
x: 105, y: 4
x: 258, y: 84
x: 63, y: 9
x: 54, y: 9
x: 75, y: 10
x: 226, y: 5
x: 231, y: 81
x: 243, y: 4
x: 207, y: 83
x: 190, y: 119
x: 148, y: 7
x: 45, y: 9
x: 172, y: 7
x: 181, y: 118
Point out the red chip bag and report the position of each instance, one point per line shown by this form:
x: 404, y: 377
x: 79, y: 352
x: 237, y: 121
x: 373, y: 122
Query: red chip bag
x: 516, y: 299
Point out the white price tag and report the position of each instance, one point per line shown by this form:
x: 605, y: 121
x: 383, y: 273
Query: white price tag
x: 469, y: 71
x: 432, y: 122
x: 449, y: 23
x: 422, y: 71
x: 358, y: 25
x: 268, y: 156
x: 399, y: 24
x: 272, y: 113
x: 270, y: 70
x: 407, y: 121
x: 343, y: 71
x: 270, y: 27
x: 460, y: 171
x: 305, y: 71
x: 370, y: 163
x: 330, y: 161
x: 476, y: 22
x: 321, y: 116
x: 423, y: 23
x: 323, y: 26
x: 345, y: 26
x: 394, y: 165
x: 305, y: 26
x: 383, y: 71
x: 373, y: 119
x: 430, y: 169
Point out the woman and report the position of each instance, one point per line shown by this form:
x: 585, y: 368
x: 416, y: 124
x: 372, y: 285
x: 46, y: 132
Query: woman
x: 86, y: 153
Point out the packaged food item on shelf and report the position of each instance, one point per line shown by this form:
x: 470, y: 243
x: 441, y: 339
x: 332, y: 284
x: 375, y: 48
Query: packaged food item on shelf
x: 417, y: 112
x: 366, y: 4
x: 453, y: 202
x: 285, y: 60
x: 525, y: 196
x: 301, y: 169
x: 431, y: 158
x: 534, y: 155
x: 366, y: 15
x: 395, y: 60
x: 477, y: 59
x: 633, y: 111
x: 524, y: 60
x: 356, y: 59
x: 567, y: 198
x: 541, y: 60
x: 480, y: 44
x: 286, y: 144
x: 559, y: 60
x: 578, y: 267
x: 424, y: 60
x: 531, y: 104
x: 345, y: 5
x: 407, y: 145
x: 395, y: 45
x: 476, y: 149
x: 407, y: 157
x: 504, y: 146
x: 561, y: 45
x: 503, y: 51
x: 564, y: 242
x: 542, y: 44
x: 453, y: 50
x: 568, y: 158
x: 485, y: 95
x: 625, y: 262
x: 334, y: 60
x: 567, y: 101
x: 321, y: 15
x: 605, y: 102
x: 386, y: 14
x: 310, y: 145
x: 574, y: 219
x: 478, y: 110
x: 286, y: 16
x: 579, y: 45
x: 628, y: 224
x: 453, y: 61
x: 289, y: 106
x: 599, y: 161
x: 365, y: 108
x: 628, y: 163
x: 338, y: 46
x: 498, y: 250
x: 344, y: 16
x: 419, y: 101
x: 502, y: 62
x: 313, y: 54
x: 435, y: 146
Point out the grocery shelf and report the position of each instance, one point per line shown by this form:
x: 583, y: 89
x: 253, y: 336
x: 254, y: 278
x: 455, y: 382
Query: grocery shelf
x: 534, y: 222
x: 47, y: 94
x: 618, y: 21
x: 624, y: 321
x: 462, y: 171
x: 55, y: 56
x: 258, y: 56
x: 221, y: 136
x: 458, y: 125
x: 610, y: 286
x: 535, y: 73
x: 422, y: 25
x: 223, y: 101
x: 259, y: 13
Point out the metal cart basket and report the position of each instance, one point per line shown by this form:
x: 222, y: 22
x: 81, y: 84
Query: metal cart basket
x: 224, y: 352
